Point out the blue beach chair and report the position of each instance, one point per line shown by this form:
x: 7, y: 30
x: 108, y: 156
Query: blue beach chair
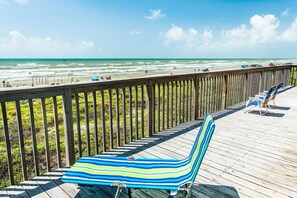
x: 274, y: 91
x: 152, y: 173
x: 260, y: 101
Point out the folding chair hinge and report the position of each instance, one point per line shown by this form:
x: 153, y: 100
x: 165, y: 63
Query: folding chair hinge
x: 119, y: 184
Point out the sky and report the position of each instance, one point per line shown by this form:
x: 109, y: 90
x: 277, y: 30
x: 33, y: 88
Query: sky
x: 148, y: 28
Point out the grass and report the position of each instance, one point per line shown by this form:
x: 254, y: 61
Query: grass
x: 14, y: 137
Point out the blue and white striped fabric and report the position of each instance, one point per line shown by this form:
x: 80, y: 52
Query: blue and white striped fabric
x: 169, y: 174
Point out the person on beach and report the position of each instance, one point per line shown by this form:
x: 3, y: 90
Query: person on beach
x: 3, y: 83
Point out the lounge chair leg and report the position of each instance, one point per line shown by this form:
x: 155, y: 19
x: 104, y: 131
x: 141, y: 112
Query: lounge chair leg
x: 248, y: 109
x: 186, y: 192
x: 273, y: 104
x: 260, y: 111
x: 129, y: 192
x: 119, y: 190
x: 266, y: 110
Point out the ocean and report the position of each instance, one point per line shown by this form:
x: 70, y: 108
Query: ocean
x: 21, y: 71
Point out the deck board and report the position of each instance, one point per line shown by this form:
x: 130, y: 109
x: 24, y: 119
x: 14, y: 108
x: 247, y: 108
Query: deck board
x: 249, y: 156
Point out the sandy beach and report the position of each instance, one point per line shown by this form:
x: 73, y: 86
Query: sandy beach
x: 66, y: 81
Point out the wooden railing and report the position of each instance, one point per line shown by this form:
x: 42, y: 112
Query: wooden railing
x: 50, y: 127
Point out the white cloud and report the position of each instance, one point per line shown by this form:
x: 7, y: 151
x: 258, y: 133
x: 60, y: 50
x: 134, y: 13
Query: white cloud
x: 263, y: 28
x: 84, y: 45
x: 176, y: 33
x: 18, y: 44
x: 135, y: 32
x: 188, y: 38
x: 155, y: 14
x: 285, y: 12
x: 290, y: 34
x: 207, y: 36
x: 260, y: 32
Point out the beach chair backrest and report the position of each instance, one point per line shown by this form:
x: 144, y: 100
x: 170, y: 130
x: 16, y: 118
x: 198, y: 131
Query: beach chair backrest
x: 200, y: 145
x: 268, y: 96
x: 280, y: 85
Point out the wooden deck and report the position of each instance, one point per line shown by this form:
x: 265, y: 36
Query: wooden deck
x: 249, y: 156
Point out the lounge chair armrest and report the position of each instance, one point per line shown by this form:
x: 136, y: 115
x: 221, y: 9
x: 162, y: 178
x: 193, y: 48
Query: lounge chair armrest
x: 262, y: 94
x: 254, y: 98
x: 251, y: 98
x: 259, y: 96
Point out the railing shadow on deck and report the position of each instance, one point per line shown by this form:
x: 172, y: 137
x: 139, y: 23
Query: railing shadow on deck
x: 268, y: 114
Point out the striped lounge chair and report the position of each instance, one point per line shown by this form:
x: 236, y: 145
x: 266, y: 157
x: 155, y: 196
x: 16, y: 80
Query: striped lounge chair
x: 151, y: 173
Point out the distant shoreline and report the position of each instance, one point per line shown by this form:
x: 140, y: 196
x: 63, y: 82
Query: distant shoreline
x: 39, y: 72
x: 118, y: 77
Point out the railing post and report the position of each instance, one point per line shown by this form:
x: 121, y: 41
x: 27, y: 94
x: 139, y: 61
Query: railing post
x: 245, y: 85
x: 196, y: 88
x: 68, y: 127
x: 149, y: 106
x: 284, y: 78
x: 273, y: 77
x: 224, y: 92
x: 261, y: 82
x: 7, y: 143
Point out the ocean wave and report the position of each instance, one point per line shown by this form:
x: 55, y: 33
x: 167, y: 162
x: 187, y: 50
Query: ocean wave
x: 32, y: 65
x: 62, y: 65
